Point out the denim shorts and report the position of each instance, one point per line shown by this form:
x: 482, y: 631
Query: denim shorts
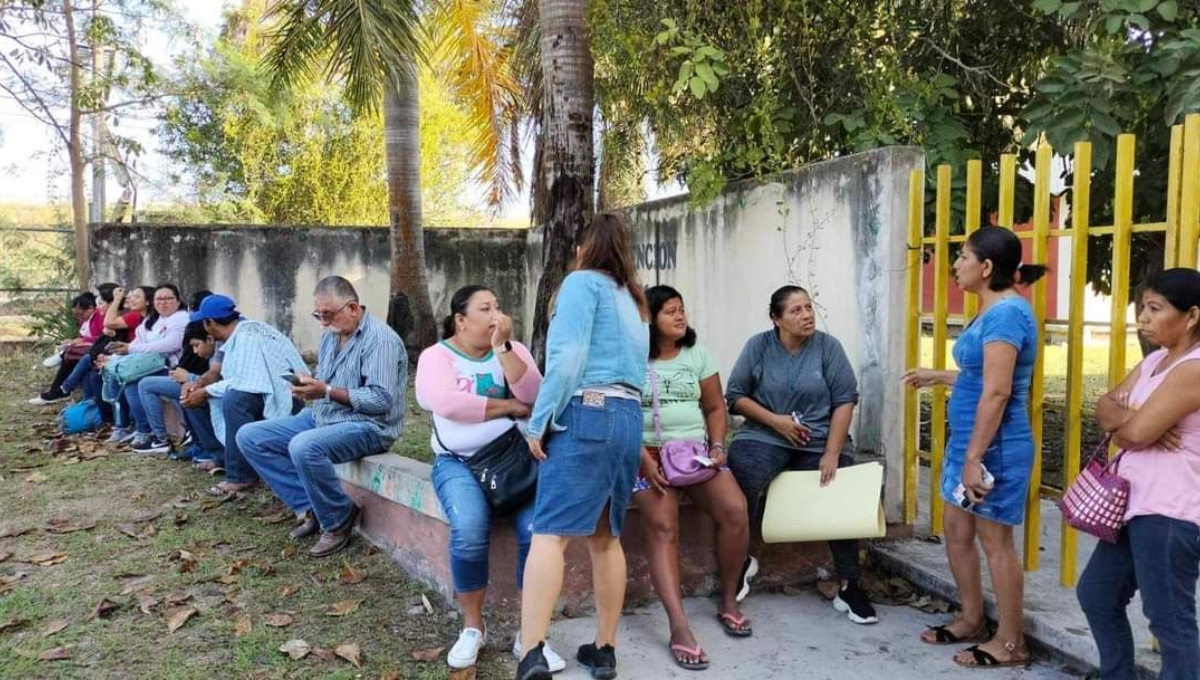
x: 592, y: 463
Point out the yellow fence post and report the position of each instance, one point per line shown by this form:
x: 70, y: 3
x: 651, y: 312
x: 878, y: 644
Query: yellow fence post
x: 1174, y: 180
x: 974, y: 203
x: 1008, y: 183
x: 1041, y: 246
x: 912, y: 344
x: 1189, y: 204
x: 1122, y: 233
x: 941, y: 282
x: 1080, y: 207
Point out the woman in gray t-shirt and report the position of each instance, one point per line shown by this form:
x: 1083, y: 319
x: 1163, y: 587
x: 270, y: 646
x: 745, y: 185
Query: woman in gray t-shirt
x: 797, y: 391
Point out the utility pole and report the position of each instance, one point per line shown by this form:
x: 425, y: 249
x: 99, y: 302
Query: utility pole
x: 96, y: 216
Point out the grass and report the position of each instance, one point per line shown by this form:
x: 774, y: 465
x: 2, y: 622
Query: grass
x: 243, y: 566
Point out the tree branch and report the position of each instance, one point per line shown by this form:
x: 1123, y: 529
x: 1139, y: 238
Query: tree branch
x: 974, y: 70
x: 41, y: 103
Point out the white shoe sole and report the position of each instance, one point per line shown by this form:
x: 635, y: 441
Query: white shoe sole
x: 555, y: 662
x: 840, y: 605
x: 750, y: 573
x: 460, y: 663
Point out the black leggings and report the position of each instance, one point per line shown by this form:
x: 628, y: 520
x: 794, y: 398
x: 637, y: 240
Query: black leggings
x: 755, y: 465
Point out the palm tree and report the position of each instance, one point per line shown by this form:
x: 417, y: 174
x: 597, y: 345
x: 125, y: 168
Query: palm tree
x: 566, y: 151
x: 374, y: 46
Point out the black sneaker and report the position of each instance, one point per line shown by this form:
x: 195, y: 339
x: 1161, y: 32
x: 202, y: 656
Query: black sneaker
x: 152, y: 445
x: 50, y: 396
x: 749, y: 571
x: 852, y: 601
x: 534, y: 666
x: 602, y: 660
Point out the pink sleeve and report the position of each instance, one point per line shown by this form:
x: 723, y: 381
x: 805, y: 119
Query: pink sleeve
x: 525, y: 390
x: 438, y: 390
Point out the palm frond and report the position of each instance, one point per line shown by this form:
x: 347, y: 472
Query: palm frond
x: 361, y: 41
x: 471, y: 50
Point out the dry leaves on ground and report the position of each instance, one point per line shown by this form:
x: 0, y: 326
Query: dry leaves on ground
x: 103, y: 609
x: 288, y: 591
x: 55, y: 626
x: 277, y: 620
x: 431, y: 654
x: 467, y: 673
x: 15, y: 531
x: 4, y: 556
x: 392, y: 675
x: 350, y: 652
x: 56, y: 654
x: 177, y: 617
x: 132, y: 531
x: 36, y: 478
x: 146, y: 603
x: 64, y: 526
x: 351, y: 576
x: 297, y: 649
x: 12, y: 624
x: 343, y: 608
x: 48, y: 559
x: 242, y: 626
x: 324, y: 654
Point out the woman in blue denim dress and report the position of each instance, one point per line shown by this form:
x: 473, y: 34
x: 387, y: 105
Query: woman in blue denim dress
x: 990, y: 453
x: 586, y: 429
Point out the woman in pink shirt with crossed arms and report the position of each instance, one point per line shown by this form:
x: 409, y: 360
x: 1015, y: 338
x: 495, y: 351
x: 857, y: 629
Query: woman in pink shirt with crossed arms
x: 1154, y: 414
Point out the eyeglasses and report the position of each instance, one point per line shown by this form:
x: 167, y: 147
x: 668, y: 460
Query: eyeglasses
x: 328, y: 316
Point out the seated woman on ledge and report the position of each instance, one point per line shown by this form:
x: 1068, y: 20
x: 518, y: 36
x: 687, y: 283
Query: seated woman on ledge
x: 682, y: 400
x: 797, y: 390
x: 476, y: 381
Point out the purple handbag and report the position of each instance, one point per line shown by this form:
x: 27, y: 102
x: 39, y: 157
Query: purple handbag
x: 1096, y: 501
x: 678, y: 457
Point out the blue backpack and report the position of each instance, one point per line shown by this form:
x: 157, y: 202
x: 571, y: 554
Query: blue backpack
x: 82, y: 416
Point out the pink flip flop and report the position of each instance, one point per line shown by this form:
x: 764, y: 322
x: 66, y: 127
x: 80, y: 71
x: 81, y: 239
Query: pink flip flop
x: 695, y: 652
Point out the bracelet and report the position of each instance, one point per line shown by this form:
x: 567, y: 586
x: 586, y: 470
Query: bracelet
x: 718, y: 445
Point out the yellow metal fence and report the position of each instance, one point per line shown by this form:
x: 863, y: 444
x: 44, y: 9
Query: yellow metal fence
x: 1182, y: 230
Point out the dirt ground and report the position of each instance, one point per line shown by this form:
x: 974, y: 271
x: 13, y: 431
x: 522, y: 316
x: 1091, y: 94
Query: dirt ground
x: 119, y: 566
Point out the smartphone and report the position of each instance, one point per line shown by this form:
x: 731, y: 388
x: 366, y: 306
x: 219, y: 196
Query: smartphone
x: 704, y: 460
x: 960, y: 491
x: 291, y: 377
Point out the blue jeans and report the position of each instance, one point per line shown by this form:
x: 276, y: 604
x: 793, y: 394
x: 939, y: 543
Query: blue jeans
x: 131, y: 397
x: 199, y: 422
x: 155, y: 391
x: 296, y: 458
x: 470, y: 517
x: 78, y: 374
x: 240, y: 409
x: 1160, y: 557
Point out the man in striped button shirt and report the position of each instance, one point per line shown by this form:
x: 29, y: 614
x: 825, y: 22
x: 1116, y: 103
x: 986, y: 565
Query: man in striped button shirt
x: 356, y: 409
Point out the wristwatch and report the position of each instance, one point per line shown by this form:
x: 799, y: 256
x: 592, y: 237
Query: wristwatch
x: 329, y: 392
x: 503, y: 349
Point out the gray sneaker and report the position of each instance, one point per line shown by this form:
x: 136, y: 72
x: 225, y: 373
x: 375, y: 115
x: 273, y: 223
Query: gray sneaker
x: 120, y: 435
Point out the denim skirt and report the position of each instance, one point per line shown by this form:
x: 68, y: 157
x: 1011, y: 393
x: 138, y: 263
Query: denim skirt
x: 590, y: 464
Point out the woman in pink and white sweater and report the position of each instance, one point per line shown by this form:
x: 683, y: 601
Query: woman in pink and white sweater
x: 477, y: 382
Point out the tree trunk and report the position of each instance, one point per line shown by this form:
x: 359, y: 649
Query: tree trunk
x: 567, y: 154
x: 409, y: 311
x: 83, y: 274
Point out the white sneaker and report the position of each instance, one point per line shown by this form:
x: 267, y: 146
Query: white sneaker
x: 553, y: 660
x: 120, y: 435
x: 464, y: 652
x: 52, y: 361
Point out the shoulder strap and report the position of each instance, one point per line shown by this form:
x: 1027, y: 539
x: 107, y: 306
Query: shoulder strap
x: 433, y: 423
x: 654, y: 399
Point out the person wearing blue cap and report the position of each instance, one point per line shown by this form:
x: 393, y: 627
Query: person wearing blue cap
x: 254, y: 357
x: 356, y: 409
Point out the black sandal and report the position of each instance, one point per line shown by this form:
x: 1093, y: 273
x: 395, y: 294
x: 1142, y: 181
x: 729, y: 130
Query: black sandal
x: 984, y: 659
x: 943, y: 636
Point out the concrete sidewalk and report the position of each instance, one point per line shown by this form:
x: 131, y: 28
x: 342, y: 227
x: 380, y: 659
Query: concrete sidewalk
x: 797, y: 636
x: 1053, y: 618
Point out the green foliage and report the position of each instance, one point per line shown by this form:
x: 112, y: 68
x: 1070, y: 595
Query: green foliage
x: 302, y: 156
x: 1134, y: 66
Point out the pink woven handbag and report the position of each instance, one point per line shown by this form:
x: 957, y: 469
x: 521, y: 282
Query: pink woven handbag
x: 1096, y: 502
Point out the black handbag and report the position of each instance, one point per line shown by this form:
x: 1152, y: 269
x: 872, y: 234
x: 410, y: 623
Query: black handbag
x: 505, y: 469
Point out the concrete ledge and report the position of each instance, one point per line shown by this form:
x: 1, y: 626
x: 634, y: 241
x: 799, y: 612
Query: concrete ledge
x: 402, y: 516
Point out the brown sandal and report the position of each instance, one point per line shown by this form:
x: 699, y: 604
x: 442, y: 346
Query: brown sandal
x: 228, y: 489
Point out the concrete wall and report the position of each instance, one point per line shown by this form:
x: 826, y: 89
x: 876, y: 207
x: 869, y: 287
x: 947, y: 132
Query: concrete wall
x: 271, y: 271
x: 837, y: 228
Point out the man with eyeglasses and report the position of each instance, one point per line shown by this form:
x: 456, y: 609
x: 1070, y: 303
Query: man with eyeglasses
x: 356, y: 409
x: 254, y: 357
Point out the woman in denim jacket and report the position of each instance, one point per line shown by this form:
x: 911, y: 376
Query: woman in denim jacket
x: 586, y: 429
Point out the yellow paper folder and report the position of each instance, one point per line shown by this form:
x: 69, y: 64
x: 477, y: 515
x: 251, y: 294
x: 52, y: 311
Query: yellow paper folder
x: 799, y: 509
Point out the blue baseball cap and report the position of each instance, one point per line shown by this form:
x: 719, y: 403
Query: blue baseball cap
x: 215, y: 307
